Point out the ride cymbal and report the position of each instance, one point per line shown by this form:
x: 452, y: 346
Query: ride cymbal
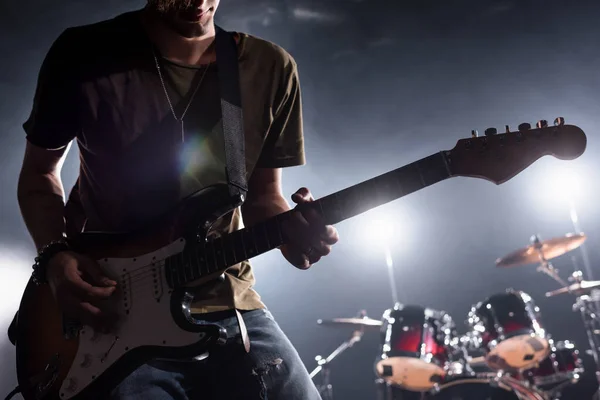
x: 549, y: 249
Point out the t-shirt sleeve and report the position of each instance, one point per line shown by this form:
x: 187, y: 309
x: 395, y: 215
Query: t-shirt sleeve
x: 284, y: 144
x: 53, y: 121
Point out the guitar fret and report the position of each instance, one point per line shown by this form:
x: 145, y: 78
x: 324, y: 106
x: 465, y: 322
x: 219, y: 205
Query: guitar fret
x: 260, y: 239
x: 238, y: 246
x: 251, y: 241
x: 219, y: 254
x: 272, y: 232
x: 210, y: 257
x: 186, y: 267
x: 228, y: 251
x: 266, y: 232
x: 223, y: 251
x: 196, y: 266
x: 243, y: 243
x: 202, y: 261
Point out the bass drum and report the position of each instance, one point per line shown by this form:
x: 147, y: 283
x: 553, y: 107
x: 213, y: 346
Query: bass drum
x: 562, y: 365
x: 417, y: 347
x: 458, y: 389
x: 508, y: 328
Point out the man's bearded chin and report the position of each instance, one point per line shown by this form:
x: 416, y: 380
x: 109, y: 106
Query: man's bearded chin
x: 167, y: 6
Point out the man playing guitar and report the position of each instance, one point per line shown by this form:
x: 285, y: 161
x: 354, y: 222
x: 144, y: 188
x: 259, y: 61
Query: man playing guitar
x: 140, y: 93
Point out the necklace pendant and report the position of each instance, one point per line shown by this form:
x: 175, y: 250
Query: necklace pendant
x: 182, y: 133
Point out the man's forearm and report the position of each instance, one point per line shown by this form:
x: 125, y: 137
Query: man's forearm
x: 41, y: 199
x: 260, y: 209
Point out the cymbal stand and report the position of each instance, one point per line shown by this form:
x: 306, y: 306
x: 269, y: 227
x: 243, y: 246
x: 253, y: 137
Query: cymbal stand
x: 545, y: 265
x: 325, y: 388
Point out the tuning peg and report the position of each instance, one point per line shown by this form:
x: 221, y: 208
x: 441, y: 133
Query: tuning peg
x: 542, y: 123
x: 507, y: 128
x: 559, y: 121
x: 474, y: 133
x: 490, y: 131
x: 524, y: 127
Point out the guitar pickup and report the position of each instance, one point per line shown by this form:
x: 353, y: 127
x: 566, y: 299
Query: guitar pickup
x: 157, y: 280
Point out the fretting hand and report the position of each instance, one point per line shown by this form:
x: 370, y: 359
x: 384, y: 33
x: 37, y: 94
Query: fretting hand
x: 309, y: 238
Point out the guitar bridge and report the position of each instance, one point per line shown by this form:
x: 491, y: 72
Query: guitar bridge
x: 44, y: 380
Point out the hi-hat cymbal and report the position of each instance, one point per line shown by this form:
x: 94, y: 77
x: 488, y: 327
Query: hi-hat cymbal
x: 576, y: 288
x: 350, y: 321
x: 550, y: 249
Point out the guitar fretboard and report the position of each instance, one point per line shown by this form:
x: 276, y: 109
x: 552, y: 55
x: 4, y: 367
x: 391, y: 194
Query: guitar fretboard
x: 217, y: 255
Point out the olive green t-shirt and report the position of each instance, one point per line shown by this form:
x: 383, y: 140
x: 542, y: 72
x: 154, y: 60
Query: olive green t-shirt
x: 99, y: 85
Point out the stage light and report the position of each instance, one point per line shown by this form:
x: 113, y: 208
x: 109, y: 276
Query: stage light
x: 563, y: 183
x: 380, y: 231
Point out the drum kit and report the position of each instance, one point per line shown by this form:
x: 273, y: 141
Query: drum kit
x: 505, y: 350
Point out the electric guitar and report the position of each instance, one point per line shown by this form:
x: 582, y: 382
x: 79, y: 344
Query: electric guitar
x: 153, y: 267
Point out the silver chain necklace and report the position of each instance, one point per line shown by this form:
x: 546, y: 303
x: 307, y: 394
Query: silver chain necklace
x: 162, y: 81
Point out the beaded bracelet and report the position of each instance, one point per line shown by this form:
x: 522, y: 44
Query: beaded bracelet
x: 44, y: 256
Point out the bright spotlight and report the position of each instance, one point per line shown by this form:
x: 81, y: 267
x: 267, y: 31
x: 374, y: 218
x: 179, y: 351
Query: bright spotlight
x: 380, y: 231
x: 563, y: 184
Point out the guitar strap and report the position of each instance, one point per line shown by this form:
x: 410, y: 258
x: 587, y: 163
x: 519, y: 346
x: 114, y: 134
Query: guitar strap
x: 232, y: 116
x: 233, y: 131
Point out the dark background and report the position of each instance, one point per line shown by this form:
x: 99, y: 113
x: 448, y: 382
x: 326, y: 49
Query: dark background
x: 384, y: 83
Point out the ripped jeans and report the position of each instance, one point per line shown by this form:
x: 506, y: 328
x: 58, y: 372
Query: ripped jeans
x: 271, y: 371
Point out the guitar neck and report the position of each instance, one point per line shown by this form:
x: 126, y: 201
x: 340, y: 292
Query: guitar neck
x: 218, y: 254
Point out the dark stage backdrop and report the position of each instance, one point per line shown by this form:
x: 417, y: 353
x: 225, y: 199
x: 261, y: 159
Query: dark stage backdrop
x: 384, y: 83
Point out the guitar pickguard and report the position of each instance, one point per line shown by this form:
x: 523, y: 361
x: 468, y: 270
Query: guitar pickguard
x: 145, y: 318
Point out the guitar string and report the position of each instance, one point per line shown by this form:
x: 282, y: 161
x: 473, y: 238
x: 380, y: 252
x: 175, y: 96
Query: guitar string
x: 207, y: 248
x: 148, y: 270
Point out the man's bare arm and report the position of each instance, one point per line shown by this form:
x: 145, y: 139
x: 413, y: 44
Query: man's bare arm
x: 41, y: 194
x: 265, y: 197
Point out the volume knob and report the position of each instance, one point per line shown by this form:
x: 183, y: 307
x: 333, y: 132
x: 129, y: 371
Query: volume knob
x: 524, y: 127
x: 490, y: 131
x: 542, y: 123
x: 474, y: 133
x: 559, y: 121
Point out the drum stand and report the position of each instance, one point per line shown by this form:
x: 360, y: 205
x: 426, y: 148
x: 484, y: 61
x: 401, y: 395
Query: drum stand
x: 585, y: 305
x: 325, y: 389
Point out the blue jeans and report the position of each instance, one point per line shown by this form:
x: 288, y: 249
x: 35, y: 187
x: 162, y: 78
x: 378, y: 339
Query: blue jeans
x: 271, y: 371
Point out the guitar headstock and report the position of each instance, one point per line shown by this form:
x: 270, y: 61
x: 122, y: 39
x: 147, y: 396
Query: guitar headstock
x: 499, y: 157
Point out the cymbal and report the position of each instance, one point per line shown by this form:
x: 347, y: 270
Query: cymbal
x: 350, y: 321
x: 550, y: 248
x: 576, y: 288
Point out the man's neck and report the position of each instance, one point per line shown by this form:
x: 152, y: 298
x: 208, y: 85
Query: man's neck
x: 175, y: 47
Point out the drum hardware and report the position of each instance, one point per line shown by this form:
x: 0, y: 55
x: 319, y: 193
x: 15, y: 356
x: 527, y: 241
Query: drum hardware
x: 325, y: 388
x: 419, y: 348
x: 587, y: 308
x: 509, y: 330
x: 361, y: 322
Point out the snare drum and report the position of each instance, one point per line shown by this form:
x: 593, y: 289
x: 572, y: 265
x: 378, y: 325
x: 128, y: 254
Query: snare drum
x: 563, y: 364
x: 417, y: 347
x: 509, y: 330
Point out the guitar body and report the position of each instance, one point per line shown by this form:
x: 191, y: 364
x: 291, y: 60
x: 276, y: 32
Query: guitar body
x: 154, y: 318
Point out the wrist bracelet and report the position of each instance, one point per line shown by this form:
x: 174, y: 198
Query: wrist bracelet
x: 44, y: 256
